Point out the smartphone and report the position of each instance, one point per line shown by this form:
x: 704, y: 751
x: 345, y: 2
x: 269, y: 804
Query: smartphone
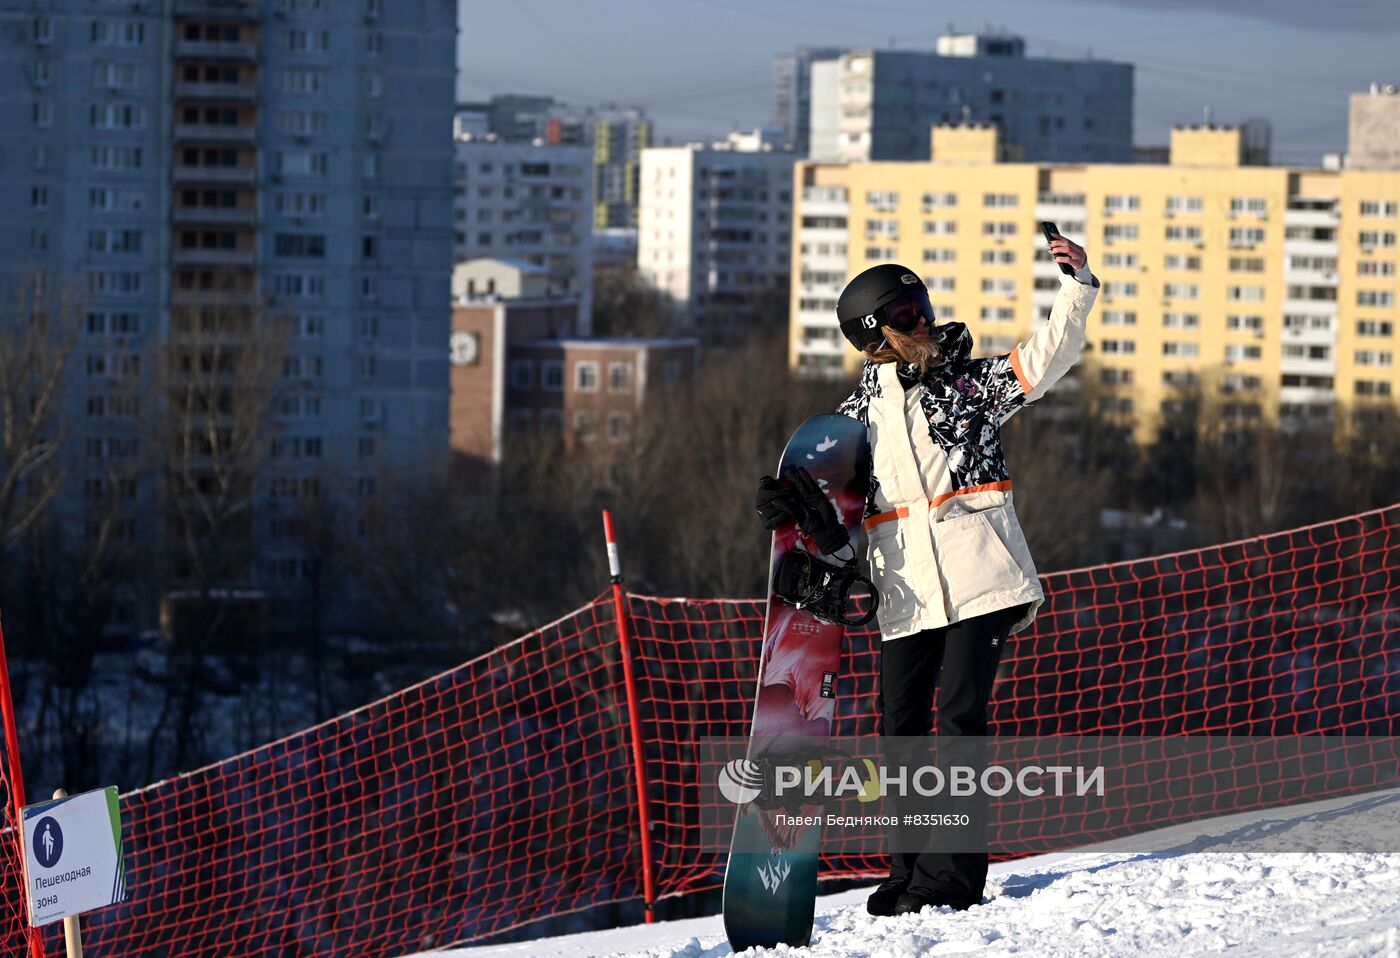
x: 1051, y: 231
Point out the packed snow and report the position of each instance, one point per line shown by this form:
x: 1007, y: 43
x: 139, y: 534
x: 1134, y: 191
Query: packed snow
x: 1192, y: 897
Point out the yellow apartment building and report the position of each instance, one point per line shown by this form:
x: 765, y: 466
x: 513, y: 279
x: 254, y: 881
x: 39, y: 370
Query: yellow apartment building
x: 1276, y: 284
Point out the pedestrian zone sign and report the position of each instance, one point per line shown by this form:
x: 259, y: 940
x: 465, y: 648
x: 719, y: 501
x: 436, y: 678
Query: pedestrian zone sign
x: 73, y: 855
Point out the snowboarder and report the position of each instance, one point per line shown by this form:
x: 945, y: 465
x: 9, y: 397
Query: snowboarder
x: 947, y: 555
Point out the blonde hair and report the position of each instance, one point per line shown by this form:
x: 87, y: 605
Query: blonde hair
x: 899, y: 347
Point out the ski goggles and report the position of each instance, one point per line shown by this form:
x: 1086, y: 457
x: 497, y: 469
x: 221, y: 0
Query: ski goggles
x: 905, y: 313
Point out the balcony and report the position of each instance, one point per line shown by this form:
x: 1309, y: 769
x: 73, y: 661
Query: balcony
x: 213, y: 297
x: 199, y: 215
x: 211, y: 133
x: 213, y: 257
x: 218, y: 92
x: 235, y: 175
x: 216, y: 50
x: 239, y: 11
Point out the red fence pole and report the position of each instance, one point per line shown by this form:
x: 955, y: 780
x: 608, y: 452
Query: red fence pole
x: 634, y: 718
x: 7, y: 711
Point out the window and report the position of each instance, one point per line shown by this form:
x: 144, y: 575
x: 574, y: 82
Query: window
x: 1181, y: 321
x: 299, y: 245
x: 1120, y: 231
x: 1119, y: 317
x: 299, y: 80
x: 1122, y: 346
x: 1253, y: 324
x: 1120, y: 202
x: 1189, y: 234
x: 1374, y: 327
x: 586, y: 377
x: 301, y: 164
x: 1371, y: 239
x: 619, y: 426
x: 1120, y: 260
x: 1180, y: 350
x: 1377, y: 208
x: 999, y: 228
x: 552, y: 375
x: 1374, y: 357
x: 1002, y: 200
x: 1246, y: 236
x: 620, y: 377
x: 301, y: 40
x: 586, y: 425
x: 1183, y: 204
x: 43, y: 114
x: 117, y: 116
x: 1181, y: 291
x: 1173, y: 261
x: 1244, y: 294
x: 883, y: 201
x: 1235, y: 352
x: 118, y: 33
x: 522, y: 374
x: 1250, y: 205
x: 1374, y: 297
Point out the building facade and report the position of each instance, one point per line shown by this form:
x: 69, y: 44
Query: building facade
x: 715, y: 233
x: 528, y: 202
x: 520, y: 373
x: 1276, y: 284
x: 792, y: 93
x: 885, y: 102
x: 282, y: 159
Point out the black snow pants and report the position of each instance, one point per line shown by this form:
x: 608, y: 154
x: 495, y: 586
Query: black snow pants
x: 960, y: 662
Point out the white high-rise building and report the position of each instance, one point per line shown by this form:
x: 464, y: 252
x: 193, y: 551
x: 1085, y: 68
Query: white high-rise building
x: 530, y: 202
x: 715, y: 231
x: 285, y: 158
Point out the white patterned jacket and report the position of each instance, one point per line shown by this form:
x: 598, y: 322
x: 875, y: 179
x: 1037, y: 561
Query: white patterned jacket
x: 944, y: 541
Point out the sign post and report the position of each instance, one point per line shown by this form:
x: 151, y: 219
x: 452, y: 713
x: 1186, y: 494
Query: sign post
x: 73, y: 859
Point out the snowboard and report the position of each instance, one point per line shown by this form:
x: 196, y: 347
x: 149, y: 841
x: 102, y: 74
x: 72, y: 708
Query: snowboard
x: 770, y: 882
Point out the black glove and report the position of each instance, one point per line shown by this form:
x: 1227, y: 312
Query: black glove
x: 778, y: 502
x: 819, y: 519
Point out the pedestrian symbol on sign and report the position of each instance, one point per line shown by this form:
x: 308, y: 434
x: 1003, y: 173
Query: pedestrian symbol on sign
x: 48, y: 842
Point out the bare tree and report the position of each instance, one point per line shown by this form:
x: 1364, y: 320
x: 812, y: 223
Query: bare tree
x: 38, y: 334
x: 217, y: 378
x: 625, y: 304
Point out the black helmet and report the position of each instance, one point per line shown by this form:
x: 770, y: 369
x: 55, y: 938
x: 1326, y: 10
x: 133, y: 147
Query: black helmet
x: 884, y: 295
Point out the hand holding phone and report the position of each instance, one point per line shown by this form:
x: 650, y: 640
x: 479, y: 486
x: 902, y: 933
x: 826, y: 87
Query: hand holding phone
x: 1052, y: 232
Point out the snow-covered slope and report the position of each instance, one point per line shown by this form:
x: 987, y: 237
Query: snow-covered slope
x: 1193, y: 897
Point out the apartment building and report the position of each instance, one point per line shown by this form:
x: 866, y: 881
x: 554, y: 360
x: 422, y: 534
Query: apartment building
x: 792, y: 93
x: 531, y: 202
x: 1277, y: 284
x: 880, y: 104
x: 258, y: 159
x: 715, y: 232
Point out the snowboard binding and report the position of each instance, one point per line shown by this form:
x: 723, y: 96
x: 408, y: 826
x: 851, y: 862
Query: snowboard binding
x: 821, y: 588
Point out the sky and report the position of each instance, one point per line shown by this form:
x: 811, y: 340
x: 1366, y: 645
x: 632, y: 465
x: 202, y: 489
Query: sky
x: 701, y: 68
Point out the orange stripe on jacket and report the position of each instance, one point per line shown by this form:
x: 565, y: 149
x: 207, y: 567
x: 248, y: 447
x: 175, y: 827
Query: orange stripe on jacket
x: 1002, y: 485
x: 1015, y: 357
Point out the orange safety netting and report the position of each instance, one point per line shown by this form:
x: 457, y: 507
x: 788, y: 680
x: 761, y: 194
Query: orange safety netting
x: 502, y: 792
